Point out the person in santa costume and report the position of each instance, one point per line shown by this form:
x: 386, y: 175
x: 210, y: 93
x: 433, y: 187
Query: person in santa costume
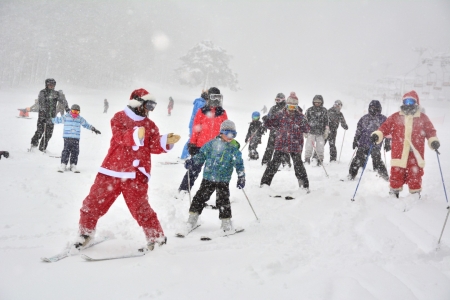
x: 126, y: 169
x: 409, y: 127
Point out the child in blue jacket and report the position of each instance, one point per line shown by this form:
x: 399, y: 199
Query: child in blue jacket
x: 72, y: 123
x: 219, y: 155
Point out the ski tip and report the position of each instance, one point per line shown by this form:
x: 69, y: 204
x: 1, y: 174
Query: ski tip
x: 205, y: 238
x: 289, y: 198
x: 45, y: 259
x: 85, y: 257
x: 179, y: 235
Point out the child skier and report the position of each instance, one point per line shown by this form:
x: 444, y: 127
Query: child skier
x: 255, y: 131
x: 409, y: 127
x: 219, y: 155
x: 72, y: 123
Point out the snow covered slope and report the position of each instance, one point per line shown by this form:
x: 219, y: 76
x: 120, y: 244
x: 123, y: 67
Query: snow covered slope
x: 318, y: 246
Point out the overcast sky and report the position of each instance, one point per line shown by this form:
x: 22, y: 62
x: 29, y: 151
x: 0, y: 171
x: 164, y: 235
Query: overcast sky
x: 276, y: 45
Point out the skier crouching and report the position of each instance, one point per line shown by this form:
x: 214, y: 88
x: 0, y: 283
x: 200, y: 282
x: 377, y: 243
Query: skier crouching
x: 126, y: 170
x: 219, y: 155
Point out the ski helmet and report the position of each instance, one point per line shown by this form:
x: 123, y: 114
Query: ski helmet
x: 75, y: 107
x: 50, y: 81
x: 256, y: 115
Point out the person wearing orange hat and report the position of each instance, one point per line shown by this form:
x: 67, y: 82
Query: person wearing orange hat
x: 126, y: 170
x: 409, y: 127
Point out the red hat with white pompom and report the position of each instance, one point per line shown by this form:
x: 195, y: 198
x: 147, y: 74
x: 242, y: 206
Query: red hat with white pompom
x: 411, y: 94
x: 139, y: 96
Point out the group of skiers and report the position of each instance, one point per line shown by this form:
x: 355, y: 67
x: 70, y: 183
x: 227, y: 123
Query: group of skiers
x: 212, y: 147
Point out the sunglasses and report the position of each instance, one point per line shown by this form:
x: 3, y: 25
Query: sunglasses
x: 231, y: 134
x: 74, y: 111
x: 409, y: 101
x: 291, y: 107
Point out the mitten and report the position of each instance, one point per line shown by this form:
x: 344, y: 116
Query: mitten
x: 355, y: 143
x: 434, y: 145
x: 95, y: 130
x: 240, y: 183
x: 188, y: 164
x: 172, y: 138
x: 193, y: 149
x: 374, y: 138
x: 326, y: 133
x: 387, y: 145
x: 4, y: 153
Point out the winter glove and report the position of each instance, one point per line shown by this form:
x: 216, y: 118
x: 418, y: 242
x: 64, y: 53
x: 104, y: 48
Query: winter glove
x: 172, y: 138
x: 327, y: 132
x: 95, y: 130
x: 355, y: 143
x: 240, y: 183
x: 434, y: 145
x: 387, y: 145
x: 193, y: 149
x: 4, y: 153
x: 188, y: 164
x: 345, y: 127
x: 374, y: 138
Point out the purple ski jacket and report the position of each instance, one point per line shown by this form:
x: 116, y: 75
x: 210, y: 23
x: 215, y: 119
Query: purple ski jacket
x: 290, y: 128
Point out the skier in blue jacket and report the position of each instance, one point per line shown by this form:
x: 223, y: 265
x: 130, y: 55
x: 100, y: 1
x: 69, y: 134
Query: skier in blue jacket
x: 72, y: 124
x: 198, y: 104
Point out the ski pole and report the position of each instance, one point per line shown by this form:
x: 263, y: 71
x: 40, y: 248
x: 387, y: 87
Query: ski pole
x: 445, y: 192
x: 248, y: 141
x: 189, y: 187
x: 321, y: 162
x: 367, y: 158
x: 341, y: 146
x: 250, y: 205
x: 352, y: 157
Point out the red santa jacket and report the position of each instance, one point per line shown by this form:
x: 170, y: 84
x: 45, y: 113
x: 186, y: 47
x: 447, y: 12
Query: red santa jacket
x: 408, y: 134
x: 127, y: 153
x: 206, y: 125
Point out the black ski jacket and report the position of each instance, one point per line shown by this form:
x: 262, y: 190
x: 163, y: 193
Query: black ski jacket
x: 256, y: 129
x: 317, y: 119
x: 335, y: 117
x: 47, y: 103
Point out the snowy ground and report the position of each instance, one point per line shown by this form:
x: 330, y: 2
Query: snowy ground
x: 318, y: 246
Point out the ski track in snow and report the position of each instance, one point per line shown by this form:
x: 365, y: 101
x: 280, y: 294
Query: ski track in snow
x: 319, y: 246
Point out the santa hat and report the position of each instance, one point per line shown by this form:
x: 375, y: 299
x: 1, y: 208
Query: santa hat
x: 138, y: 96
x: 292, y: 99
x: 413, y: 95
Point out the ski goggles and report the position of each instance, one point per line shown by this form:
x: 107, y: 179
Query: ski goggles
x: 150, y: 105
x: 291, y: 106
x: 74, y: 111
x: 409, y: 101
x: 278, y: 100
x: 215, y: 100
x: 255, y: 118
x: 231, y: 134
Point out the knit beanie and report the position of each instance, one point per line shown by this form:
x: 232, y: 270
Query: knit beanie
x: 292, y: 99
x: 138, y: 96
x: 412, y: 94
x: 227, y: 125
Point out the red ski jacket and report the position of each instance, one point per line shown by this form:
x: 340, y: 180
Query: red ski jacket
x: 206, y: 125
x: 408, y: 134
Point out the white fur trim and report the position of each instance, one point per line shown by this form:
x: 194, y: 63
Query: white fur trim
x: 136, y: 162
x: 380, y: 136
x: 134, y: 103
x: 415, y: 191
x: 111, y: 173
x: 148, y: 97
x: 432, y: 139
x: 132, y: 115
x: 142, y: 169
x: 163, y: 142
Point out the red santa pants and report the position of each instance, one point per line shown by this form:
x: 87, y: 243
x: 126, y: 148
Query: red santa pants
x: 105, y: 191
x: 411, y: 175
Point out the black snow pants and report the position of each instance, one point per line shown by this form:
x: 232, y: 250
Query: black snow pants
x: 285, y: 159
x: 332, y: 141
x: 71, y: 150
x: 252, y: 152
x: 360, y: 158
x: 43, y: 134
x: 222, y: 197
x: 299, y: 168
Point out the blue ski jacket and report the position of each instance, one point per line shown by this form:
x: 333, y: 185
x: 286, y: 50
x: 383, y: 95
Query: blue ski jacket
x: 72, y: 125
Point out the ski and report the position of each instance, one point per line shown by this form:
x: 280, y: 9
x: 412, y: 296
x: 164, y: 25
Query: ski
x: 66, y: 251
x: 130, y: 255
x: 170, y: 163
x: 24, y: 117
x: 182, y: 235
x: 208, y: 238
x: 54, y: 156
